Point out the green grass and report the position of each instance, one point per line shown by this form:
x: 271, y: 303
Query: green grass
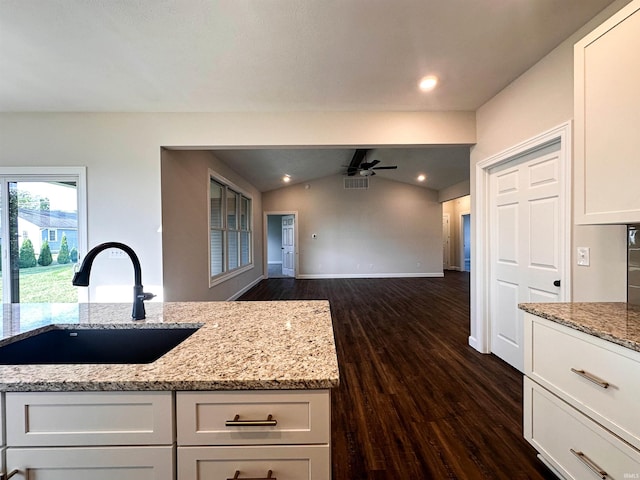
x: 50, y: 284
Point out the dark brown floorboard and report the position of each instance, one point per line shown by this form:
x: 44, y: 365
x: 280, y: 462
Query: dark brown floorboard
x: 415, y: 401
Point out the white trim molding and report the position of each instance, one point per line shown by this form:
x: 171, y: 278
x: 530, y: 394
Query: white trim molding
x: 265, y: 239
x: 480, y: 274
x: 313, y: 276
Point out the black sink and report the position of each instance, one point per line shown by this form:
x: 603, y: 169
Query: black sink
x: 96, y: 345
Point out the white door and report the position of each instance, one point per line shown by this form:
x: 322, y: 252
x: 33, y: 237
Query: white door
x: 526, y: 238
x: 288, y: 246
x: 446, y: 236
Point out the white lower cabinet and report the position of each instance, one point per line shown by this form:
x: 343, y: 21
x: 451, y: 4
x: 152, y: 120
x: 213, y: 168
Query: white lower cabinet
x: 573, y: 444
x: 581, y: 402
x: 300, y: 462
x: 277, y: 434
x: 90, y: 435
x: 91, y: 463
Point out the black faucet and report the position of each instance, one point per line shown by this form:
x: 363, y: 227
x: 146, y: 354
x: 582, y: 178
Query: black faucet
x: 81, y: 277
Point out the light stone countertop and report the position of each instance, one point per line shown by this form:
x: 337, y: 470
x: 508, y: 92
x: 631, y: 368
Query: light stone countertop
x: 240, y: 346
x: 616, y: 322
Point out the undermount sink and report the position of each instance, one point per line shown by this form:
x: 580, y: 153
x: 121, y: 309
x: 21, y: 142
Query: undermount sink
x: 94, y: 345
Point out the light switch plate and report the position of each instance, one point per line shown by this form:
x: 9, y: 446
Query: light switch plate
x: 583, y: 256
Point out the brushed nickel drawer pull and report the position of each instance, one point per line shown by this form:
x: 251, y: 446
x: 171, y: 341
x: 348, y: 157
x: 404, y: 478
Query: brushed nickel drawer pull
x: 591, y: 378
x: 7, y: 476
x: 268, y: 477
x: 236, y: 422
x: 590, y: 463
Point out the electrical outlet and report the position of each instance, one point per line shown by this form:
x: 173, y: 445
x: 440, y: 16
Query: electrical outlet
x: 117, y: 253
x: 584, y: 256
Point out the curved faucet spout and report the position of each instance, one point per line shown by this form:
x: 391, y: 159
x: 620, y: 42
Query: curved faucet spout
x: 81, y: 277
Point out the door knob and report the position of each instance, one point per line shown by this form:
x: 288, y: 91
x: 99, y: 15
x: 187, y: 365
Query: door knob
x: 556, y: 283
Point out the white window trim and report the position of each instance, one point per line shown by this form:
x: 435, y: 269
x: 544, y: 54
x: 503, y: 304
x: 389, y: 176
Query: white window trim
x: 55, y: 231
x: 224, y: 276
x: 35, y: 174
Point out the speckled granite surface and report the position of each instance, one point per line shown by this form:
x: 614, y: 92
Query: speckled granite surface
x: 240, y: 346
x: 616, y: 322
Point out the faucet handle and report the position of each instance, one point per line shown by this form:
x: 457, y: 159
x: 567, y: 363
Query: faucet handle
x: 146, y: 296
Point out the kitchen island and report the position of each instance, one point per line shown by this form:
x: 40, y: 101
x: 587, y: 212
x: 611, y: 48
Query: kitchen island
x: 246, y: 394
x: 581, y: 388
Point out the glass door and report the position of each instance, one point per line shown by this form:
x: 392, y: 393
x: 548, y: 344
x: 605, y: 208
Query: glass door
x: 40, y: 238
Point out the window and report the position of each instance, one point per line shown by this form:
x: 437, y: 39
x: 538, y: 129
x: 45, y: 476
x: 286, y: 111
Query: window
x: 53, y: 235
x: 230, y: 224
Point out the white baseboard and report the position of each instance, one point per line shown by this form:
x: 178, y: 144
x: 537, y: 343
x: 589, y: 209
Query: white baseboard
x: 312, y: 276
x: 274, y: 263
x: 473, y: 342
x: 245, y: 289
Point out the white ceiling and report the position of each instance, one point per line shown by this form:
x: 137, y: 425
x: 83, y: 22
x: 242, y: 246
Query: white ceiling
x: 272, y: 56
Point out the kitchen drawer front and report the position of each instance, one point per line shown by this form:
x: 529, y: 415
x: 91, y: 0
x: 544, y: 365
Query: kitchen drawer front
x: 303, y: 417
x: 555, y: 428
x: 556, y: 350
x: 97, y: 463
x: 296, y: 462
x: 89, y: 418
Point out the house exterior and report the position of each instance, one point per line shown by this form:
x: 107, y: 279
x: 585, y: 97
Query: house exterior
x: 41, y: 225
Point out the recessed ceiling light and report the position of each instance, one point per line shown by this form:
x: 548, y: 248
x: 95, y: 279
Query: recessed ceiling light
x: 286, y: 178
x: 428, y: 83
x: 421, y: 178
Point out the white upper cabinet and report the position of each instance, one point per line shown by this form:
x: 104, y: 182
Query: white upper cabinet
x: 607, y: 121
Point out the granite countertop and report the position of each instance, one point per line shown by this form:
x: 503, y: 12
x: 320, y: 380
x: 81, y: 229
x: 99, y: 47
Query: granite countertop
x: 239, y: 346
x: 616, y: 322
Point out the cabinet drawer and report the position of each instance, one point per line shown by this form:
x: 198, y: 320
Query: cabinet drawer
x: 555, y: 429
x: 89, y: 418
x: 122, y: 463
x: 556, y: 350
x: 301, y: 417
x: 304, y: 462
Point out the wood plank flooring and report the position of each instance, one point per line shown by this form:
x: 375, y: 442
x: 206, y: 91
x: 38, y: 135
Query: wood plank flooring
x: 415, y: 401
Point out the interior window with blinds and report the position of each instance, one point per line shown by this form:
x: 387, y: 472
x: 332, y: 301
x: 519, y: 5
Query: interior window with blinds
x: 230, y: 221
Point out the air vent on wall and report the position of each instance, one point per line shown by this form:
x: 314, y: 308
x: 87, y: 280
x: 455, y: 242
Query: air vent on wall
x: 358, y: 183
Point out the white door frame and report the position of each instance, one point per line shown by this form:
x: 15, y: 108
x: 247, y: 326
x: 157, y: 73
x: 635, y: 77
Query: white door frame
x: 480, y: 251
x: 446, y: 257
x: 265, y: 240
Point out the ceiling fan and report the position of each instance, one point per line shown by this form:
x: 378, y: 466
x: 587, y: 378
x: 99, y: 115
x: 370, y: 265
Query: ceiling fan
x: 366, y: 169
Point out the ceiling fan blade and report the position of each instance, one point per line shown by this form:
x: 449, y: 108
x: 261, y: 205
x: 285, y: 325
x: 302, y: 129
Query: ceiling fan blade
x: 368, y: 165
x: 385, y: 168
x: 356, y: 160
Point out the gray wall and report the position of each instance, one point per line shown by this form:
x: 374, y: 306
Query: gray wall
x: 185, y: 233
x: 391, y: 229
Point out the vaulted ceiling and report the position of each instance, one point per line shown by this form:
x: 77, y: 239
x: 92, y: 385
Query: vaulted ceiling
x: 274, y: 56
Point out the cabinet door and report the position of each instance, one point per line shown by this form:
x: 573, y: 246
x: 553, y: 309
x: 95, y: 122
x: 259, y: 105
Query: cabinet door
x: 89, y: 418
x: 93, y: 463
x: 303, y: 462
x: 607, y: 116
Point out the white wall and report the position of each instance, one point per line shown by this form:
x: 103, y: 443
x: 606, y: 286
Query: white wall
x: 539, y: 100
x: 391, y: 229
x: 122, y: 155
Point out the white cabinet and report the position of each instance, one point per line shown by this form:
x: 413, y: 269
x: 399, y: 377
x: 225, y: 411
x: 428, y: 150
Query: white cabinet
x: 607, y: 119
x: 92, y: 463
x: 581, y: 401
x: 97, y: 435
x: 253, y: 433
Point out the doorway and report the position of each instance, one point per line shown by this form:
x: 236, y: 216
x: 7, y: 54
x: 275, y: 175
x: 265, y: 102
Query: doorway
x: 465, y: 241
x: 42, y: 234
x: 522, y: 239
x: 281, y: 241
x: 446, y: 239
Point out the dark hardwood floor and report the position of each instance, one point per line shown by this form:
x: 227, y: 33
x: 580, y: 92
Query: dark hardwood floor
x: 415, y: 401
